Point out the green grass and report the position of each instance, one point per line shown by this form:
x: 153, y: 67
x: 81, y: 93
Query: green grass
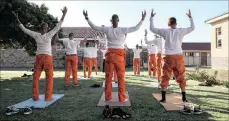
x: 80, y: 103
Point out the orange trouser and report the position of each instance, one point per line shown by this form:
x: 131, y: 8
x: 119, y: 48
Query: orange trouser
x: 115, y: 76
x: 136, y: 65
x: 152, y: 61
x: 71, y: 66
x: 159, y: 65
x: 115, y: 60
x: 94, y: 63
x: 175, y: 64
x: 43, y: 61
x: 87, y: 65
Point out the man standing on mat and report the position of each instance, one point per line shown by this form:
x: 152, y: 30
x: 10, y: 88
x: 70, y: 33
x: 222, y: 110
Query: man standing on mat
x: 159, y: 42
x: 43, y: 55
x: 94, y: 54
x: 115, y: 53
x: 136, y: 60
x: 173, y: 60
x: 87, y: 64
x: 152, y: 61
x: 71, y: 59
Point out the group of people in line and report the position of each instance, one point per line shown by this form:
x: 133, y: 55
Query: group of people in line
x: 114, y: 54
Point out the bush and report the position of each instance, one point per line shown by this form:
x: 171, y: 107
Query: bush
x: 202, y: 76
x: 226, y: 83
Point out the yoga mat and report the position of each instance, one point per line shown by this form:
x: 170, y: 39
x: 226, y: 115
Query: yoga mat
x: 173, y: 101
x: 114, y: 102
x: 113, y: 84
x: 41, y: 103
x: 139, y: 75
x: 82, y: 78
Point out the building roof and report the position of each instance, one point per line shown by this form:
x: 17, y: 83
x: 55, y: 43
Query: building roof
x: 81, y: 32
x: 217, y: 18
x: 196, y: 46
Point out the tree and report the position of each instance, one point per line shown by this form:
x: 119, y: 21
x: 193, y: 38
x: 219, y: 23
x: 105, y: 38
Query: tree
x: 31, y: 16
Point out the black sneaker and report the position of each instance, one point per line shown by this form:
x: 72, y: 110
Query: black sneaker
x: 197, y: 110
x: 107, y: 112
x: 11, y: 110
x: 27, y: 110
x: 186, y: 110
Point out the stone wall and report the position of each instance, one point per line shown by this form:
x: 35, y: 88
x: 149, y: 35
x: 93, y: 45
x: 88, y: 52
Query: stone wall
x: 12, y: 58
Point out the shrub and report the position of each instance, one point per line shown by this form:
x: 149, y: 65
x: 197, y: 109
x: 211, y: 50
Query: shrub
x: 226, y: 83
x: 202, y: 76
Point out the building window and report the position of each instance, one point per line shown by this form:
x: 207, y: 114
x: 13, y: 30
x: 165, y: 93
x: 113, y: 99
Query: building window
x: 218, y: 38
x: 219, y: 43
x: 191, y: 54
x: 59, y: 46
x: 208, y: 54
x: 197, y: 54
x: 185, y: 54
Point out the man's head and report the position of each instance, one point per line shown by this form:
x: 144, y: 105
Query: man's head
x: 44, y: 27
x: 87, y: 44
x: 172, y: 22
x: 137, y: 46
x: 71, y: 36
x: 156, y: 36
x: 115, y: 20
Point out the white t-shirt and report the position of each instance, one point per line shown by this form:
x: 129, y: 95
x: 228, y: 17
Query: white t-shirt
x: 43, y: 41
x: 115, y: 36
x: 173, y: 37
x: 71, y: 46
x: 152, y: 49
x: 93, y: 52
x: 158, y: 42
x: 87, y: 52
x: 137, y: 53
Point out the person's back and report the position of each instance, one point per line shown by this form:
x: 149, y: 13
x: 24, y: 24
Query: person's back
x: 43, y: 55
x: 174, y: 59
x: 71, y: 46
x: 115, y: 55
x: 173, y: 40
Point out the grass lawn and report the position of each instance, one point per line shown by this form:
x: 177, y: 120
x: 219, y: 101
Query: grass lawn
x: 80, y: 103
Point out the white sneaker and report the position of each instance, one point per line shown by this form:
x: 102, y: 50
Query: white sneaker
x: 124, y: 101
x: 11, y: 110
x: 27, y: 110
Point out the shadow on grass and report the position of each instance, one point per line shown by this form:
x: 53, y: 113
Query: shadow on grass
x: 80, y: 103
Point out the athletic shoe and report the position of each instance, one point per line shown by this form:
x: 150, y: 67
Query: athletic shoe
x: 27, y: 110
x: 11, y: 110
x: 124, y: 101
x: 75, y: 85
x: 197, y: 110
x: 162, y: 101
x: 107, y: 112
x: 186, y: 110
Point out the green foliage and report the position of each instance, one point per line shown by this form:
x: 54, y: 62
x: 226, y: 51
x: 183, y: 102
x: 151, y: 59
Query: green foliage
x: 226, y: 83
x: 202, y: 76
x: 31, y: 15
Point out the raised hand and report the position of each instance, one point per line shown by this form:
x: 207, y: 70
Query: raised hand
x: 85, y: 14
x: 152, y: 14
x: 143, y: 14
x: 189, y: 14
x: 64, y: 10
x: 16, y: 16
